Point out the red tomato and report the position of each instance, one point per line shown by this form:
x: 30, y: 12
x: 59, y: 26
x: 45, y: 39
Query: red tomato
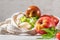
x: 52, y: 18
x: 58, y: 35
x: 46, y: 21
x: 55, y: 20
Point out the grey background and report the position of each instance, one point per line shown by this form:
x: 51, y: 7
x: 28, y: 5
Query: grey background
x: 8, y: 7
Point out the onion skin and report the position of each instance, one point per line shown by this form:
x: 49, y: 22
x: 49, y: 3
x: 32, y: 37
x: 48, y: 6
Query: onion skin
x: 34, y: 11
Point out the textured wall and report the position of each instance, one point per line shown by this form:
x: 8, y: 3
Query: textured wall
x: 8, y: 7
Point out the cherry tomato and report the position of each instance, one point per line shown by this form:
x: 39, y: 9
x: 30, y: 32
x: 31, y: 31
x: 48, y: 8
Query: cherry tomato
x: 58, y: 35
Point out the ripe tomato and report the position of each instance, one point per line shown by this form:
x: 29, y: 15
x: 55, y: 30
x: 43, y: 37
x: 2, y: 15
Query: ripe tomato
x: 33, y: 11
x: 58, y: 35
x: 52, y: 18
x: 45, y: 21
x: 55, y: 20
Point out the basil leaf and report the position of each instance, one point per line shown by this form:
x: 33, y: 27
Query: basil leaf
x: 50, y: 32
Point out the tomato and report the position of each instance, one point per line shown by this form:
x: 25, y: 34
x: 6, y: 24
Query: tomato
x: 55, y: 20
x: 52, y: 18
x: 33, y: 11
x: 58, y: 35
x: 46, y: 21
